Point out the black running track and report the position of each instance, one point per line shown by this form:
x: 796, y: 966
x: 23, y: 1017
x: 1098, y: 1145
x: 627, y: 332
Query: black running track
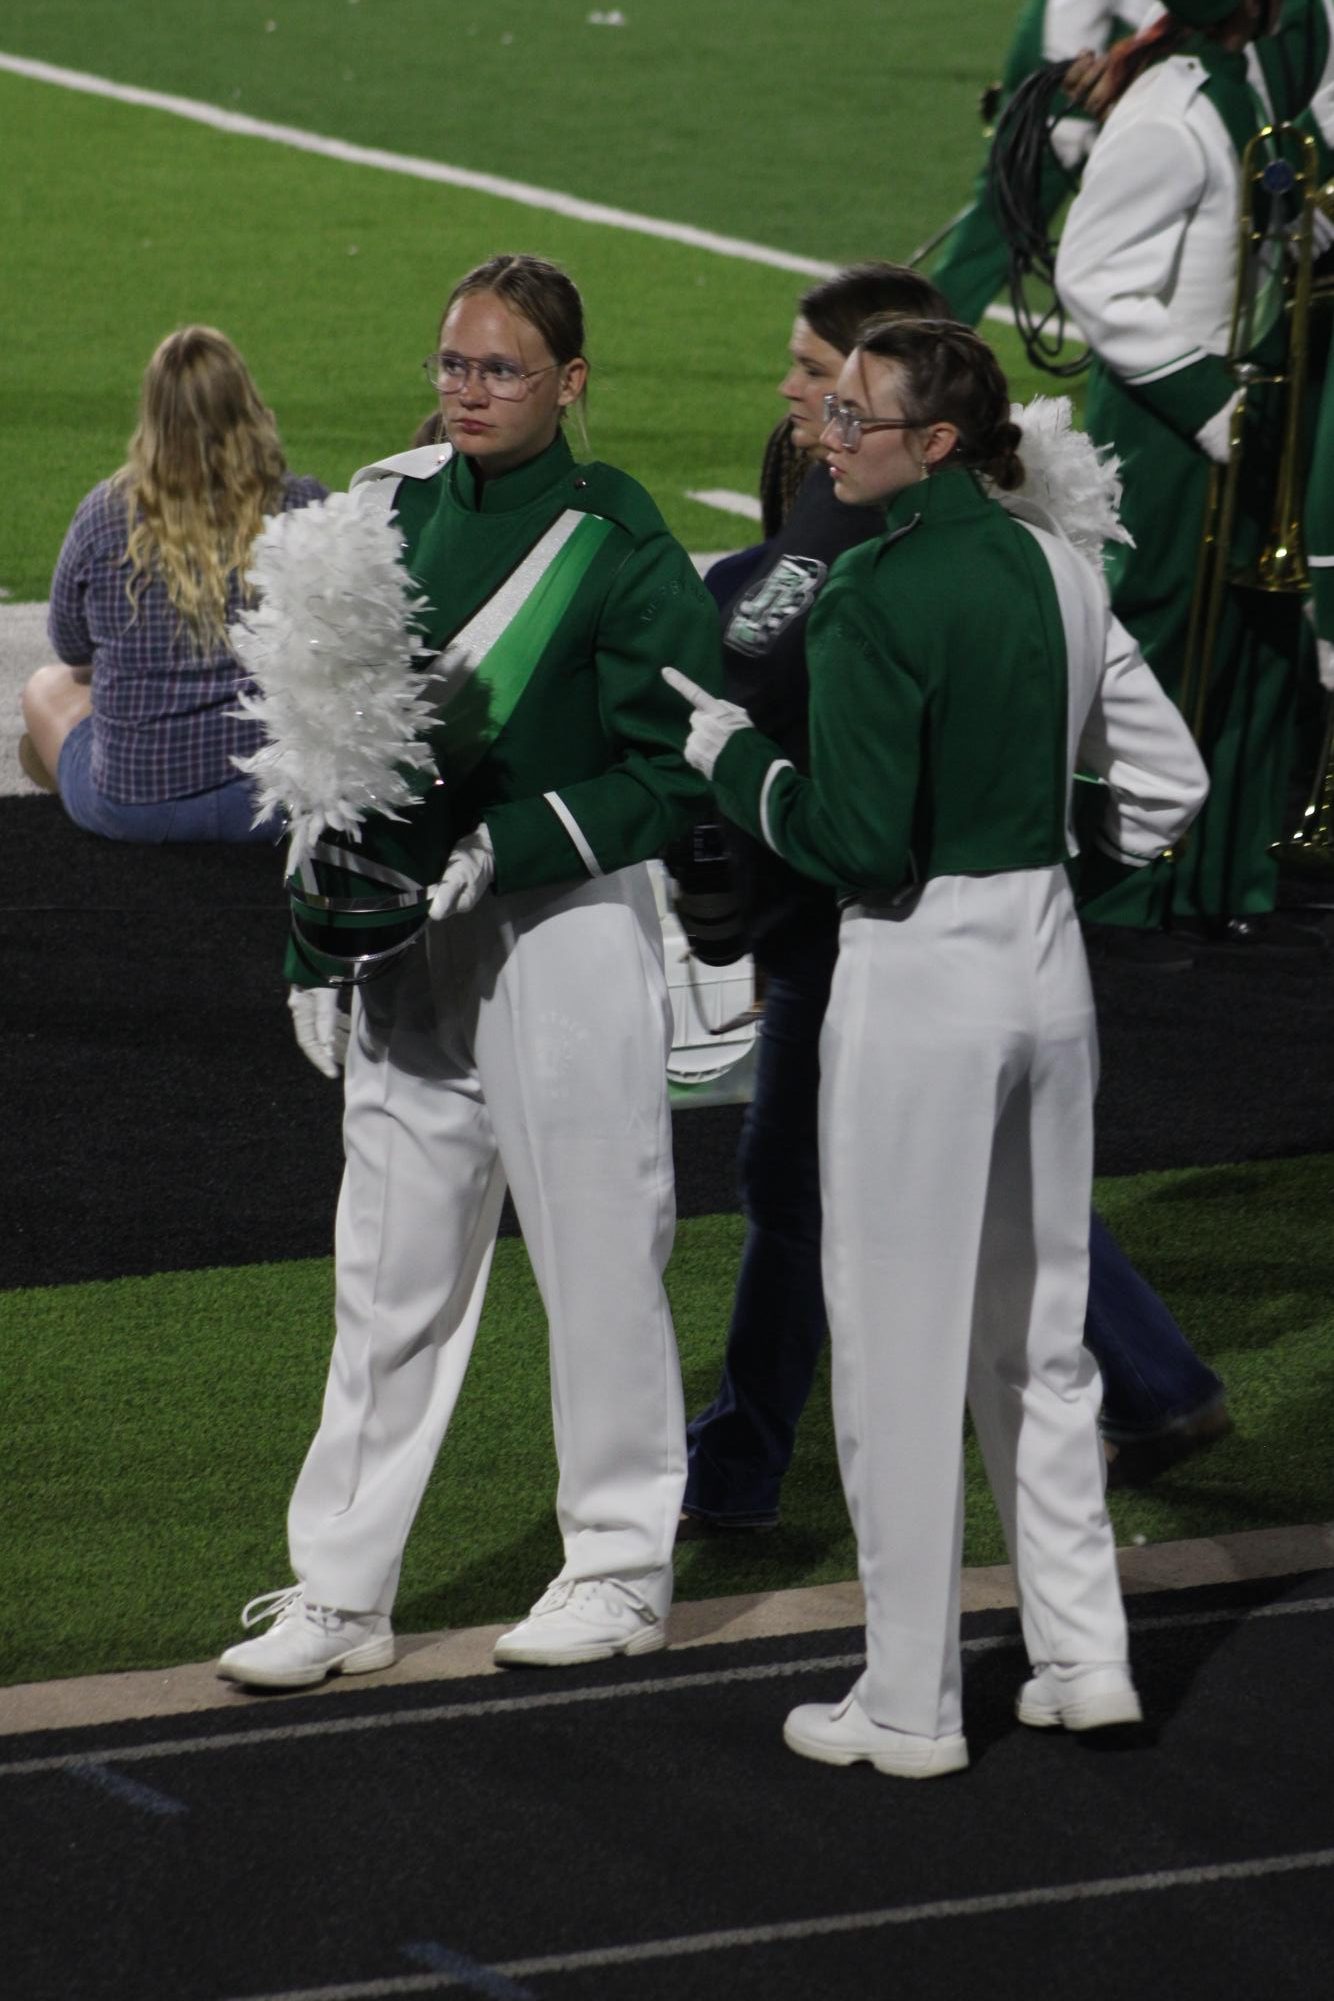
x: 143, y: 1005
x: 636, y: 1831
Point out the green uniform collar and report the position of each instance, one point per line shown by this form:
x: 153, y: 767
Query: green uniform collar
x: 509, y: 491
x: 1229, y: 63
x: 953, y: 495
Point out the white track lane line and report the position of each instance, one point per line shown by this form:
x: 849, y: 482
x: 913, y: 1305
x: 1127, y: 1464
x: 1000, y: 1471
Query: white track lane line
x: 560, y: 1698
x: 1204, y: 1876
x: 549, y: 199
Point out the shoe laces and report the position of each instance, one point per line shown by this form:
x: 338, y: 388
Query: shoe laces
x: 607, y: 1593
x: 275, y: 1605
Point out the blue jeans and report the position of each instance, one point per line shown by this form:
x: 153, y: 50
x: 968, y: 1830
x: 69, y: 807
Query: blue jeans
x: 741, y: 1446
x: 223, y: 814
x: 1151, y: 1376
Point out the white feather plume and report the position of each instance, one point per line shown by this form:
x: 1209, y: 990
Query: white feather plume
x: 332, y: 648
x: 1076, y: 483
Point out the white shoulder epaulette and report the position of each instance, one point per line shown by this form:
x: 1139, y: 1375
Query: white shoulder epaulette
x: 423, y: 462
x: 1170, y: 87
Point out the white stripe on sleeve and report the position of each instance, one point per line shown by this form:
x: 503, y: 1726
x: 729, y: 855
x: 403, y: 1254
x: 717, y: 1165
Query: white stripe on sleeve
x: 574, y: 830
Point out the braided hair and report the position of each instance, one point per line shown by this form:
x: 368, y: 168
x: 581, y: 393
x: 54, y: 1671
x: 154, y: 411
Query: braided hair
x: 949, y: 375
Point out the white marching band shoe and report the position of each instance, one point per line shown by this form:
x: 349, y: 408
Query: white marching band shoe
x: 582, y: 1619
x: 846, y: 1735
x: 306, y: 1642
x: 1079, y: 1697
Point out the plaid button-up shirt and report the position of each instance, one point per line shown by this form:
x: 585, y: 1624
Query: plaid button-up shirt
x: 163, y: 721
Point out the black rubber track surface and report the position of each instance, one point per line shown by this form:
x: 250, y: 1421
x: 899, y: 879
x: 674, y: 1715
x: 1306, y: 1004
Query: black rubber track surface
x: 535, y: 1834
x: 159, y: 1117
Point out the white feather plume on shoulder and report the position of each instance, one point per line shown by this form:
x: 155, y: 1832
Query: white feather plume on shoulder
x: 1072, y: 481
x: 333, y: 650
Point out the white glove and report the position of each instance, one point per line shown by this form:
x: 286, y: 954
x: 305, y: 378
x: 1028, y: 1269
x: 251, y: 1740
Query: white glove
x: 321, y: 1025
x: 1071, y: 140
x: 712, y: 725
x: 469, y: 873
x: 1324, y: 660
x: 1215, y: 438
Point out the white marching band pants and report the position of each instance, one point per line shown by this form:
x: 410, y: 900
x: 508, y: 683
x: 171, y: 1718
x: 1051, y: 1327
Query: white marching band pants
x: 958, y: 1066
x: 528, y: 1041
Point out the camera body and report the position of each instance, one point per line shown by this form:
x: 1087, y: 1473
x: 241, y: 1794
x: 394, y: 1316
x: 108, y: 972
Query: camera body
x: 704, y: 894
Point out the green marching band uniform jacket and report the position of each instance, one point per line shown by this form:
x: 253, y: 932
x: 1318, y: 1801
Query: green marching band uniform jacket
x: 555, y: 595
x: 939, y: 702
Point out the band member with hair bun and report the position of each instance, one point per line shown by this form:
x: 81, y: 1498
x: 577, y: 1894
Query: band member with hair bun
x: 1160, y: 1400
x: 1148, y: 268
x: 960, y: 665
x: 523, y: 1039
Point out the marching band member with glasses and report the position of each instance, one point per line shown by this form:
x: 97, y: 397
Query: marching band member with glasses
x: 523, y: 1039
x: 1161, y: 1401
x: 960, y: 665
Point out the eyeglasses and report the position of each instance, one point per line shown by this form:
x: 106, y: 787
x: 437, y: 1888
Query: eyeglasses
x: 505, y: 379
x: 849, y: 426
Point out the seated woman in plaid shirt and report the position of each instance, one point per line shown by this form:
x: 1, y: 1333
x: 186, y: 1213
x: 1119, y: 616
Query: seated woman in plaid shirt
x: 137, y: 729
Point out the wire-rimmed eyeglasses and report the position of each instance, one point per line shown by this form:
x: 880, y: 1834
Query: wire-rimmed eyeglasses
x: 497, y: 377
x: 849, y: 426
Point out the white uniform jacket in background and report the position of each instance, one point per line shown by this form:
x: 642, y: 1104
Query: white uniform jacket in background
x: 1071, y: 26
x: 1148, y: 255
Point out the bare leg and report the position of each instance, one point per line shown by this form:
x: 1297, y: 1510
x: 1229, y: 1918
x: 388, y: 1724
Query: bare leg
x: 54, y: 700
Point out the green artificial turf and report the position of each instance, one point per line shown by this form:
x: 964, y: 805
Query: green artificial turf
x: 764, y: 119
x: 156, y: 1426
x: 120, y: 223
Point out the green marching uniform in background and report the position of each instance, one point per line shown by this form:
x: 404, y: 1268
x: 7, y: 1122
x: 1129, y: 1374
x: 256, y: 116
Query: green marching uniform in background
x: 974, y: 264
x: 1147, y: 267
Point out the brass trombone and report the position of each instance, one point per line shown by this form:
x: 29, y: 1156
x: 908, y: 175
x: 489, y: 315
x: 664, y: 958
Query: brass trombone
x: 1267, y: 169
x: 1310, y: 845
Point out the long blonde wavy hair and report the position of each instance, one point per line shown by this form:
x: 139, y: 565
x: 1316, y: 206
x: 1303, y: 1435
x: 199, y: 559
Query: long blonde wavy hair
x: 203, y: 468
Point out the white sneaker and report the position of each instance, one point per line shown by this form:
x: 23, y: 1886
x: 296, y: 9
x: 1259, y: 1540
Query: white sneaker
x: 306, y: 1642
x: 846, y: 1736
x: 1085, y: 1696
x: 582, y: 1619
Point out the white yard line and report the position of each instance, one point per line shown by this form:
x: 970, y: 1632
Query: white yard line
x: 727, y: 500
x: 550, y: 200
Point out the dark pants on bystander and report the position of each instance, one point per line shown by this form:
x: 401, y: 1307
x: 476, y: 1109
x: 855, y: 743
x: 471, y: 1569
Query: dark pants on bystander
x: 741, y: 1446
